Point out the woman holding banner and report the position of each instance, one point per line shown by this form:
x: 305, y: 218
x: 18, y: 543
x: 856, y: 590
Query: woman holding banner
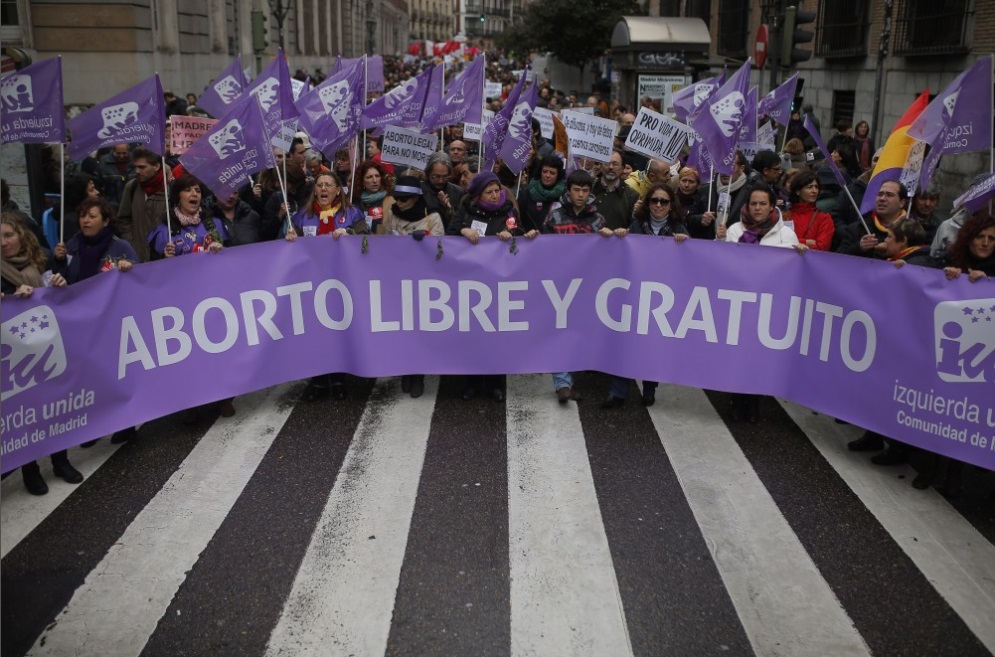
x: 973, y: 251
x: 760, y: 222
x: 486, y: 210
x: 813, y: 227
x: 544, y: 189
x: 327, y: 212
x: 689, y: 200
x: 371, y: 187
x: 22, y: 264
x: 191, y: 229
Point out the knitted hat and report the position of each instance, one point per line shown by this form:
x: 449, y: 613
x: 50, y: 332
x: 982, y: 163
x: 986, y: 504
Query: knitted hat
x: 480, y: 183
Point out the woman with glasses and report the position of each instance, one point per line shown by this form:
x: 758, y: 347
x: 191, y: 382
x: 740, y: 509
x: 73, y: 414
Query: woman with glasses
x: 327, y: 212
x: 660, y: 214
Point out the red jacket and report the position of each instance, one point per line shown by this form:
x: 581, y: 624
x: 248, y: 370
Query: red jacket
x: 811, y: 223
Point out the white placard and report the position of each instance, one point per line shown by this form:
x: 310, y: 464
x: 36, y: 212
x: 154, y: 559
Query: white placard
x: 285, y: 136
x: 657, y: 136
x: 299, y: 87
x: 590, y: 136
x: 474, y: 131
x: 407, y: 147
x: 492, y: 90
x: 545, y: 119
x: 766, y: 135
x: 913, y: 167
x: 583, y: 109
x: 750, y: 149
x: 662, y: 87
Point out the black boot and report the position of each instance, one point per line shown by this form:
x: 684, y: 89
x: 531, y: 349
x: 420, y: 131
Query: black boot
x: 753, y: 408
x: 124, y: 435
x: 869, y: 442
x: 417, y: 385
x: 33, y: 480
x: 406, y: 383
x: 63, y: 469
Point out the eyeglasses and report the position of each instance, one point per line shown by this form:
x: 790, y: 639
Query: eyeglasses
x: 325, y: 185
x: 659, y: 201
x: 438, y: 176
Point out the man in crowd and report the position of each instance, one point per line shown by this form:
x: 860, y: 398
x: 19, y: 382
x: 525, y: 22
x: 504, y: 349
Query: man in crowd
x: 924, y: 211
x: 457, y: 151
x: 143, y: 202
x: 889, y: 207
x: 115, y: 169
x: 440, y: 194
x: 657, y: 171
x: 614, y: 199
x: 767, y: 170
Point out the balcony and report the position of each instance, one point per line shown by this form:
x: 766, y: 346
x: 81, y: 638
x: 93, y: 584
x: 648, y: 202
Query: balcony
x: 841, y: 30
x: 932, y: 28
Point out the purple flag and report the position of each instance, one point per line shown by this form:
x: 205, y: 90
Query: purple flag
x: 517, y: 146
x: 692, y: 96
x: 330, y: 114
x: 137, y: 115
x: 33, y: 111
x: 960, y: 118
x: 374, y: 71
x: 494, y: 132
x: 123, y: 348
x: 221, y: 93
x: 463, y: 101
x: 777, y: 104
x: 812, y: 130
x: 236, y: 147
x: 435, y: 77
x: 719, y: 118
x: 748, y: 129
x: 275, y: 93
x: 392, y: 108
x: 977, y: 195
x: 699, y: 159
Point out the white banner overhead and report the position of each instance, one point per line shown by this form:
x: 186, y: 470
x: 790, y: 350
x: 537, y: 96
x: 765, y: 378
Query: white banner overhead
x: 589, y: 136
x: 657, y: 136
x: 407, y: 147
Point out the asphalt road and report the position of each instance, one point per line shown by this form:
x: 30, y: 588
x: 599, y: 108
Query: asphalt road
x: 385, y: 525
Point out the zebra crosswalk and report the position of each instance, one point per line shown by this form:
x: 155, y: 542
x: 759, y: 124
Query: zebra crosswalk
x: 386, y: 525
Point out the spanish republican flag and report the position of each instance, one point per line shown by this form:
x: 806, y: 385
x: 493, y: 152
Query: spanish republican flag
x: 894, y: 153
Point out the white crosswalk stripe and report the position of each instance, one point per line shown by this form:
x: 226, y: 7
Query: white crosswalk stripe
x: 563, y: 592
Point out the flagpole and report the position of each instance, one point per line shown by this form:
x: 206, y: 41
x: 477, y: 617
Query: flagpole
x: 283, y: 190
x: 991, y: 146
x: 62, y: 193
x: 165, y: 189
x: 483, y: 89
x: 442, y: 98
x: 366, y: 92
x: 857, y: 208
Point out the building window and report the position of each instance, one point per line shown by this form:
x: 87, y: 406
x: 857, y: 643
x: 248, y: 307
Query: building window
x: 699, y: 9
x: 844, y: 103
x: 10, y: 27
x: 734, y: 24
x: 841, y: 30
x: 933, y: 27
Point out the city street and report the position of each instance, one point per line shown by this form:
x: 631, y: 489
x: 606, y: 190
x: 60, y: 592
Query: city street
x: 385, y: 525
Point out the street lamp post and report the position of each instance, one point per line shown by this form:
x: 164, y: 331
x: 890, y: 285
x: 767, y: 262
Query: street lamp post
x: 279, y: 12
x: 371, y: 28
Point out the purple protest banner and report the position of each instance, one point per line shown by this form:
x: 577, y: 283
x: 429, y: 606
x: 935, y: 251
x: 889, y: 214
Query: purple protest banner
x: 977, y: 195
x: 777, y: 104
x: 719, y: 118
x: 374, y: 70
x: 390, y: 108
x: 817, y: 138
x: 916, y: 364
x: 236, y: 147
x: 699, y: 159
x: 463, y: 99
x: 495, y: 131
x: 330, y: 114
x: 434, y: 78
x: 275, y: 93
x: 33, y: 111
x: 517, y: 146
x: 692, y: 96
x: 223, y: 91
x: 136, y: 115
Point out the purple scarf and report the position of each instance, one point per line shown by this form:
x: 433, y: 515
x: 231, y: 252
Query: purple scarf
x: 493, y: 207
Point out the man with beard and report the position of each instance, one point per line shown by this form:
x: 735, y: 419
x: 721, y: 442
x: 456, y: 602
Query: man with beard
x: 441, y: 195
x: 889, y: 207
x: 614, y: 199
x: 143, y: 202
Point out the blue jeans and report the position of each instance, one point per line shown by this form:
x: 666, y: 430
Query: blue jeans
x: 563, y: 380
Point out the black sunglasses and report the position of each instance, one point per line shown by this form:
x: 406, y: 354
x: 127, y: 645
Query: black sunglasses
x: 659, y: 201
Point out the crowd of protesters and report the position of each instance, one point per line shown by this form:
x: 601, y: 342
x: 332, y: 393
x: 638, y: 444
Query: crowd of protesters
x: 116, y: 218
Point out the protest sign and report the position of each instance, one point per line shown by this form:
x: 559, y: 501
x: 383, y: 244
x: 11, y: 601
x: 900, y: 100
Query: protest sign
x: 545, y: 119
x: 492, y: 90
x: 766, y: 135
x: 661, y: 87
x: 185, y: 130
x: 473, y: 131
x: 119, y: 348
x: 408, y: 147
x: 589, y: 136
x: 284, y: 137
x: 657, y: 136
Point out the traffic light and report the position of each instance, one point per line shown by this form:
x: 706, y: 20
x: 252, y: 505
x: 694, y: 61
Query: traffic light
x: 482, y: 18
x: 258, y: 30
x: 792, y: 36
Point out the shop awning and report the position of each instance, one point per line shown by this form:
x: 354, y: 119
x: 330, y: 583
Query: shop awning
x: 661, y: 33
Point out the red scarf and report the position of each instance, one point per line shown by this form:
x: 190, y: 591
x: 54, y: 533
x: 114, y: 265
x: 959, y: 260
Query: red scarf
x: 153, y: 185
